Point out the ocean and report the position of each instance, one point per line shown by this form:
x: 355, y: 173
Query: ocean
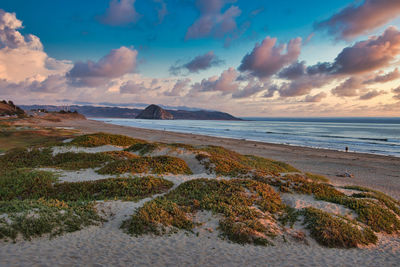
x: 364, y: 135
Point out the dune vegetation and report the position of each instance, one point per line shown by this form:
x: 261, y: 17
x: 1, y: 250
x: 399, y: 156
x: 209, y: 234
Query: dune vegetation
x: 243, y: 192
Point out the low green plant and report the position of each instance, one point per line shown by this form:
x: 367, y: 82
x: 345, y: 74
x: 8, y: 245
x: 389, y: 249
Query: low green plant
x: 229, y: 163
x: 131, y: 189
x: 336, y: 232
x: 25, y: 184
x: 156, y: 165
x: 143, y: 148
x: 242, y: 203
x: 100, y: 139
x: 34, y: 218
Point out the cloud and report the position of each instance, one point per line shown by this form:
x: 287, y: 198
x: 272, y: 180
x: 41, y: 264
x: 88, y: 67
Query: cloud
x: 267, y: 58
x: 178, y: 88
x: 197, y: 64
x: 54, y: 84
x: 374, y: 53
x: 22, y: 56
x: 372, y: 94
x: 252, y: 88
x: 212, y: 22
x: 365, y: 56
x: 360, y: 18
x: 131, y: 87
x: 116, y: 64
x: 396, y: 93
x: 302, y: 86
x: 294, y: 71
x: 391, y: 76
x: 349, y: 88
x: 225, y: 83
x: 120, y: 13
x: 315, y: 98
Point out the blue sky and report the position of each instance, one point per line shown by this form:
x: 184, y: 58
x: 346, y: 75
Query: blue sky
x: 70, y: 30
x: 159, y: 31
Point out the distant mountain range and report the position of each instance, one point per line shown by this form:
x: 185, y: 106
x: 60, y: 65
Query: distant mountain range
x: 152, y: 112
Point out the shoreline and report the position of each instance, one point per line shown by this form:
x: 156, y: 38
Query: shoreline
x: 250, y: 140
x: 376, y: 171
x: 370, y: 152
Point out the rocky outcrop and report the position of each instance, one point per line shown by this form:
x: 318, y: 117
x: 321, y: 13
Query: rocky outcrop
x: 154, y: 112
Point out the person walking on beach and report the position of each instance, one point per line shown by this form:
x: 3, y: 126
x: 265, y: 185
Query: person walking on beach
x: 347, y: 149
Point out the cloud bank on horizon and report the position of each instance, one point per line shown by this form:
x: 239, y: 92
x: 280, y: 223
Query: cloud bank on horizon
x: 269, y: 76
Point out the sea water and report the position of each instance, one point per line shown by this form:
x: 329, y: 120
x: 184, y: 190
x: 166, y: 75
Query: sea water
x: 365, y: 135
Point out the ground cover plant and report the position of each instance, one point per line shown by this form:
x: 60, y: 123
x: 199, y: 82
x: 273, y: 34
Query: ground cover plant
x: 12, y: 136
x: 244, y: 205
x: 25, y: 184
x: 35, y: 158
x: 101, y: 139
x: 229, y: 163
x: 374, y: 209
x: 34, y: 218
x: 33, y: 203
x: 332, y: 231
x: 156, y: 165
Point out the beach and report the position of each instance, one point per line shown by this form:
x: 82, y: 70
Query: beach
x: 108, y: 245
x: 375, y: 171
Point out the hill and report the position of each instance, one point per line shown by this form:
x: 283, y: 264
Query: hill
x: 154, y: 112
x: 8, y: 108
x: 131, y: 113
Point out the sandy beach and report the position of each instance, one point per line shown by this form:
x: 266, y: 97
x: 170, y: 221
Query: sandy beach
x: 375, y: 171
x: 108, y: 245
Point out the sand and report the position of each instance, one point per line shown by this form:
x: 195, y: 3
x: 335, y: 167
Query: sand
x: 108, y: 245
x: 375, y: 171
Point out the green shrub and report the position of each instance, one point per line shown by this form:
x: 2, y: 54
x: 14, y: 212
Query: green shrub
x: 155, y: 216
x: 101, y: 139
x: 24, y: 184
x: 234, y: 200
x: 123, y: 188
x: 332, y: 231
x: 143, y: 148
x: 229, y: 163
x: 34, y: 218
x: 156, y: 165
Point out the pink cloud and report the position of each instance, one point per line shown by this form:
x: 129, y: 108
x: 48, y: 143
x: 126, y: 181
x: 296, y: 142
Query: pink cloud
x: 211, y: 21
x: 120, y: 13
x: 372, y: 94
x: 360, y: 18
x: 225, y: 83
x: 268, y: 58
x: 315, y: 98
x: 391, y: 76
x: 116, y: 64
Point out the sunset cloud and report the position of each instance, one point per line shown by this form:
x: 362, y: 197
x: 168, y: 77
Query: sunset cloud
x: 225, y: 83
x: 267, y: 58
x: 199, y: 63
x: 372, y: 94
x: 213, y: 22
x: 391, y: 76
x: 179, y: 88
x: 116, y: 64
x: 360, y: 18
x: 120, y: 13
x: 315, y: 98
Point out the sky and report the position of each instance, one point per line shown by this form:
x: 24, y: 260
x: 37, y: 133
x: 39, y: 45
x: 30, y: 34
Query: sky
x: 249, y: 58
